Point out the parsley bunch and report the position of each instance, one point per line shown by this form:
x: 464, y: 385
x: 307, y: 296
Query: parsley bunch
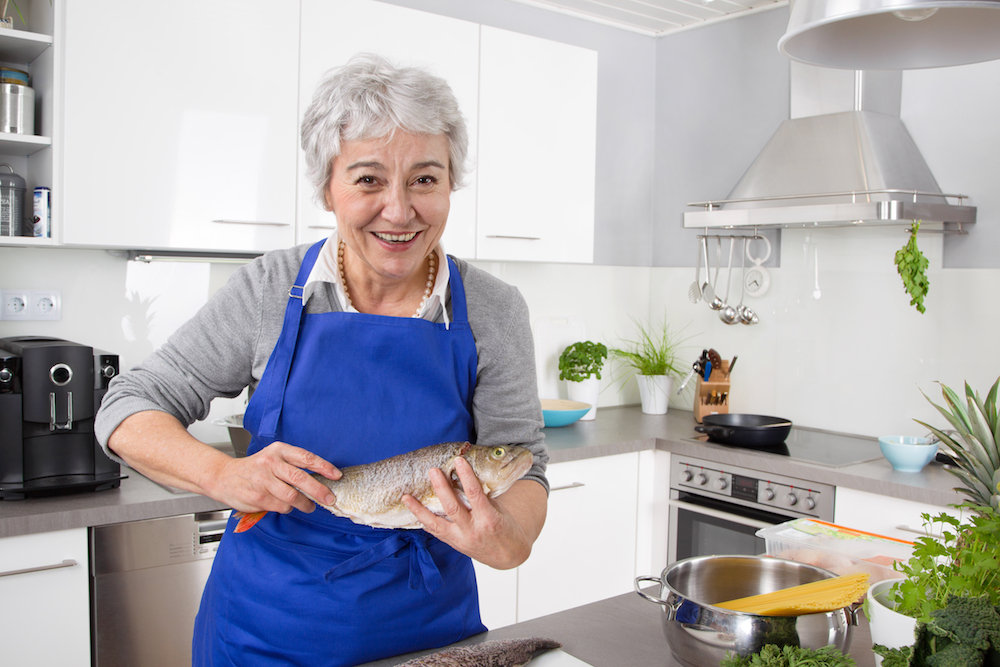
x: 912, y: 268
x: 772, y: 655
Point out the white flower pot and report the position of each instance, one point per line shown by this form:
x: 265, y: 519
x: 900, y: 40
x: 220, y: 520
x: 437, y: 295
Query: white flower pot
x: 586, y: 392
x: 654, y: 393
x: 889, y: 628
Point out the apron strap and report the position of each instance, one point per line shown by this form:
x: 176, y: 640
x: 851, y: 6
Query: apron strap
x: 423, y: 569
x: 284, y: 350
x: 459, y: 310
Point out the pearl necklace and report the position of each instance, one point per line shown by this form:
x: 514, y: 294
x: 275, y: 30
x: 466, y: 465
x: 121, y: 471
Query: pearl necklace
x: 428, y: 286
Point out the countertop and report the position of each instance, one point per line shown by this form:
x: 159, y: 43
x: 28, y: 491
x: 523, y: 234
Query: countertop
x: 616, y: 430
x: 623, y: 631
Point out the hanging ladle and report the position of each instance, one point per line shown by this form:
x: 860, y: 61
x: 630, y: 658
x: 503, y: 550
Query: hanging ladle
x: 715, y: 303
x: 728, y: 314
x: 747, y: 316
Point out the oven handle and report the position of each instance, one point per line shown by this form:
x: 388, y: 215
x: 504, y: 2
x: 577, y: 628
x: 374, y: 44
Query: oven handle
x: 725, y: 516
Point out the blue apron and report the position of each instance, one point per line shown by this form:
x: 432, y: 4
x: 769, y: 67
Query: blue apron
x: 316, y: 589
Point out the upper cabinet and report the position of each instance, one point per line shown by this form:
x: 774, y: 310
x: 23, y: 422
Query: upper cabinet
x: 180, y: 124
x: 537, y: 149
x: 28, y: 47
x: 447, y: 47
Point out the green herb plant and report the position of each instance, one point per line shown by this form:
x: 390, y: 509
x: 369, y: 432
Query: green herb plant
x: 912, y: 268
x: 973, y: 443
x: 966, y: 631
x: 582, y: 360
x: 964, y: 562
x: 653, y: 353
x: 771, y: 655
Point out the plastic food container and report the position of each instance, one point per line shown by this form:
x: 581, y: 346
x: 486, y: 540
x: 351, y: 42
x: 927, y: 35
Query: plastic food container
x: 836, y: 548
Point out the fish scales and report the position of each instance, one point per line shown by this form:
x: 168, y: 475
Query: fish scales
x: 371, y: 493
x: 492, y: 653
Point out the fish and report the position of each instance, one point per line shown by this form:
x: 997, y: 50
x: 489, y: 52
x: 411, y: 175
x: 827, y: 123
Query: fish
x: 371, y: 494
x: 491, y: 653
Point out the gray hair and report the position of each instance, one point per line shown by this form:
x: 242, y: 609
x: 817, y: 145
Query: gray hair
x: 369, y: 97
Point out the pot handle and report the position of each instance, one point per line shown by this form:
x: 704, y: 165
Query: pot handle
x: 671, y: 609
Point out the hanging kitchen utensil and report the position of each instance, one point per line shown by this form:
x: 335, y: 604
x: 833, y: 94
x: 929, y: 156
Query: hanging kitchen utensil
x: 747, y: 316
x: 716, y: 303
x: 816, y: 291
x: 742, y: 430
x: 694, y: 292
x: 727, y: 313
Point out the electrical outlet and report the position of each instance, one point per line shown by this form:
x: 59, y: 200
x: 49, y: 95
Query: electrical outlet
x: 15, y: 304
x: 44, y: 305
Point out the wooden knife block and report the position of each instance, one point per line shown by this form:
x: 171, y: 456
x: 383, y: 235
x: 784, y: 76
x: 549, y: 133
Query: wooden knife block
x: 717, y: 381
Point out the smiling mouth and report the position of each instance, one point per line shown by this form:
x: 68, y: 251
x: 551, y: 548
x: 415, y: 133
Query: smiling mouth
x: 394, y: 238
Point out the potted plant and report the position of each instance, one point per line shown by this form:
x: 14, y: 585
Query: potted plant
x: 972, y: 443
x: 961, y: 562
x: 580, y: 365
x: 652, y: 359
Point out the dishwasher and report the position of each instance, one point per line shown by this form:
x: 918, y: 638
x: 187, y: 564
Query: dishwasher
x: 146, y: 583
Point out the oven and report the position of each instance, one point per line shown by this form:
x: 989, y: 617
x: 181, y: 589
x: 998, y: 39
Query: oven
x: 717, y: 508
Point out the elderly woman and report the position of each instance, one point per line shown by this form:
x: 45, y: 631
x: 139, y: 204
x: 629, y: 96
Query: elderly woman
x: 370, y: 344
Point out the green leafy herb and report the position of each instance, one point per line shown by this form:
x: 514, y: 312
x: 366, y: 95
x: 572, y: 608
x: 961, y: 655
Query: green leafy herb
x: 772, y: 655
x: 965, y: 562
x: 654, y: 353
x: 966, y: 631
x: 581, y: 360
x: 912, y: 268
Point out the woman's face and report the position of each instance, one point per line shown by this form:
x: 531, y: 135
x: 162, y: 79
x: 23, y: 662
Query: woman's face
x: 391, y: 198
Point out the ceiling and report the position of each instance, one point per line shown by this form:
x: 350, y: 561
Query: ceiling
x: 654, y: 17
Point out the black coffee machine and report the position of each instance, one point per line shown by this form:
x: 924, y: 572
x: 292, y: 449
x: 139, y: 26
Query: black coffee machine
x: 50, y: 390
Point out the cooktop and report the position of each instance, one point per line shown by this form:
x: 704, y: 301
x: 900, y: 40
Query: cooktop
x: 813, y: 445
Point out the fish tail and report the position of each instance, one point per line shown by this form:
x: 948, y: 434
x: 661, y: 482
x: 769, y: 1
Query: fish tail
x: 247, y: 520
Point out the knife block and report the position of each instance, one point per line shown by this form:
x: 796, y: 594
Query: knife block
x: 718, y: 382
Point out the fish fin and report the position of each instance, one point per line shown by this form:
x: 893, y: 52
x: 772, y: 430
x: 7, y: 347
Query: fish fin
x: 247, y: 521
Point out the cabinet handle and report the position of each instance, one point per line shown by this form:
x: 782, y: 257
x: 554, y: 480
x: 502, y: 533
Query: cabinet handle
x: 66, y: 563
x: 254, y: 222
x: 921, y: 533
x: 574, y: 485
x: 322, y: 226
x: 521, y: 238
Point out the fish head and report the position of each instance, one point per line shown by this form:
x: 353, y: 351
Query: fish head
x: 499, y: 466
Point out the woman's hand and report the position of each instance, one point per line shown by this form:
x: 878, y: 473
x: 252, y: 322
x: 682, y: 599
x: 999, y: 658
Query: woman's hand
x: 275, y: 479
x: 496, y: 532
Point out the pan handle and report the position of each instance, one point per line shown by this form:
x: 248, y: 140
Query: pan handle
x: 715, y: 431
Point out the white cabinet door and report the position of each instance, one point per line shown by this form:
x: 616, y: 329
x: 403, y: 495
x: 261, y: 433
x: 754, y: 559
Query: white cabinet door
x: 45, y: 618
x: 537, y: 149
x: 883, y: 515
x: 180, y: 124
x: 497, y: 595
x: 586, y: 551
x: 335, y: 30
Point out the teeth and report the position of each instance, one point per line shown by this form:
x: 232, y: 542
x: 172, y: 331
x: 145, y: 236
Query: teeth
x: 395, y: 238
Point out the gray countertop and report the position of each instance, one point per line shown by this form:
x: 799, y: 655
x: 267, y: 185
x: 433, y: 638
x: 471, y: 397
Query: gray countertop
x: 623, y: 631
x: 616, y: 430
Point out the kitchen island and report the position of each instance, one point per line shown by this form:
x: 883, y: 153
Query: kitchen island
x: 623, y: 631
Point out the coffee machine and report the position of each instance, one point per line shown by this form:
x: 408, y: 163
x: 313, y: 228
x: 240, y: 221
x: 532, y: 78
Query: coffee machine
x: 50, y: 390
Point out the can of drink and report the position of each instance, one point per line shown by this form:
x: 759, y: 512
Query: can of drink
x: 43, y: 212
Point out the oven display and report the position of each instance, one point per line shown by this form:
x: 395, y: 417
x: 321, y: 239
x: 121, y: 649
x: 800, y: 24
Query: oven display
x: 745, y: 488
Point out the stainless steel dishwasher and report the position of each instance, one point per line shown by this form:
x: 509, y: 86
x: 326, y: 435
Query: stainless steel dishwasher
x: 147, y: 578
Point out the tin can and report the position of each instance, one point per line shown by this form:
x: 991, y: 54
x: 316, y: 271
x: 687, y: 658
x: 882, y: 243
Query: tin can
x: 43, y: 212
x: 12, y: 213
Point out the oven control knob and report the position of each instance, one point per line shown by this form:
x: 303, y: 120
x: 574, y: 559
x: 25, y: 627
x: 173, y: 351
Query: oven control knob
x: 702, y: 478
x: 792, y: 499
x: 810, y: 503
x: 768, y: 493
x: 687, y: 475
x: 721, y: 484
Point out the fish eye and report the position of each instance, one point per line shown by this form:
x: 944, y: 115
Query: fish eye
x: 498, y: 452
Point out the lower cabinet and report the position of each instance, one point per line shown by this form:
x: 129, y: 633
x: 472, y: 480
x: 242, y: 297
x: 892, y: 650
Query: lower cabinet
x: 883, y: 515
x: 45, y: 618
x: 586, y: 552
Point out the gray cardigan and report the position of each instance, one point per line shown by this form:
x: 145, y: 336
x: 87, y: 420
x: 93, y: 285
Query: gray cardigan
x: 226, y: 345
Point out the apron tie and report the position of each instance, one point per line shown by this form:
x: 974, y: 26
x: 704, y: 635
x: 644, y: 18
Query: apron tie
x: 423, y: 569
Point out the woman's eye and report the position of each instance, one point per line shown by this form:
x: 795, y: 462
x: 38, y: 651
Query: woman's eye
x: 426, y: 180
x: 367, y: 180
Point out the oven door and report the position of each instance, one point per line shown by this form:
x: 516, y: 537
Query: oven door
x: 702, y: 526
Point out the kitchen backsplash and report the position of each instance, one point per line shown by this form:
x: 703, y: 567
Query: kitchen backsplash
x: 854, y: 360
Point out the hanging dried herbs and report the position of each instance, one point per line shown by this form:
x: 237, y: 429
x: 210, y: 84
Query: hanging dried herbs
x: 912, y: 267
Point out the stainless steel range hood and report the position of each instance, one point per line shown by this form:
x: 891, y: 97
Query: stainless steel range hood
x: 844, y: 158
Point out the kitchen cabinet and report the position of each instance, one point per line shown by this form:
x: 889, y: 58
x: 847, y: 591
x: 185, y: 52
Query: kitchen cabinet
x: 883, y: 515
x: 587, y: 550
x: 44, y: 583
x: 447, y: 47
x: 180, y: 124
x: 537, y: 149
x: 30, y: 47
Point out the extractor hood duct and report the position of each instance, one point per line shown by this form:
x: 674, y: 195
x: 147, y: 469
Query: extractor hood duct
x: 845, y: 158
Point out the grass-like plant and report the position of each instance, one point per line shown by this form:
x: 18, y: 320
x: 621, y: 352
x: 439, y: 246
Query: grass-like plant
x: 654, y: 352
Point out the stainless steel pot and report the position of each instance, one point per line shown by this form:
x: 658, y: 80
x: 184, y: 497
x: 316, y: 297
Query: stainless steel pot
x: 700, y: 634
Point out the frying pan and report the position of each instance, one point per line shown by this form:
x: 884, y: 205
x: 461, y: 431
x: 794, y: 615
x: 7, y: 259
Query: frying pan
x: 742, y: 430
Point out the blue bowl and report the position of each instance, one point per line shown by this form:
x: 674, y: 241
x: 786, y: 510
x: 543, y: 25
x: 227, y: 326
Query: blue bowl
x: 907, y: 453
x: 559, y: 412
